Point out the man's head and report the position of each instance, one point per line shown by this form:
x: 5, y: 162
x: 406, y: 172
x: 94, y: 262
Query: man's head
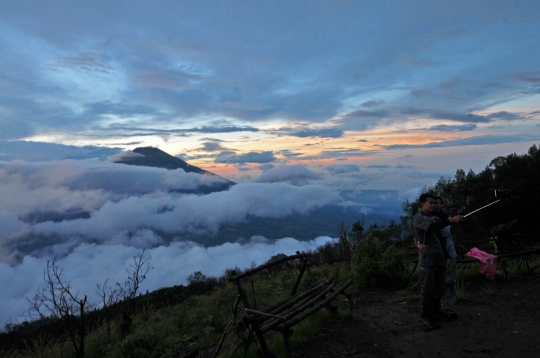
x: 427, y: 202
x: 438, y: 204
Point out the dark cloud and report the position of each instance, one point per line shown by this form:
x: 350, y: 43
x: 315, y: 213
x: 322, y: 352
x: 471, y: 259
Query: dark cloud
x: 293, y: 174
x: 372, y: 103
x: 451, y: 128
x: 166, y: 79
x: 222, y: 129
x: 477, y: 140
x: 281, y: 71
x: 229, y: 157
x: 460, y: 117
x: 420, y: 92
x: 361, y: 113
x: 211, y: 147
x: 108, y: 107
x: 130, y: 143
x: 245, y: 106
x: 339, y: 154
x: 531, y: 76
x: 532, y: 90
x: 362, y: 140
x: 314, y: 132
x: 505, y: 116
x: 453, y: 83
x: 342, y: 169
x: 138, y: 131
x: 289, y: 154
x: 378, y: 166
x: 314, y: 104
x: 39, y: 151
x: 402, y: 166
x: 406, y: 157
x: 85, y: 61
x: 349, y: 123
x: 266, y: 167
x: 208, y: 139
x: 418, y: 62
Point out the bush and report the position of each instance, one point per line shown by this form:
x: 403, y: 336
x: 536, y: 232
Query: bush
x: 376, y: 265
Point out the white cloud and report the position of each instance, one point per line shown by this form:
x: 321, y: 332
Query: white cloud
x: 90, y: 264
x: 85, y: 185
x: 126, y: 155
x: 127, y: 209
x: 49, y: 208
x: 293, y: 174
x: 28, y: 187
x: 192, y: 213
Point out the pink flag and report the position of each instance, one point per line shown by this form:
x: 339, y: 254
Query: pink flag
x: 488, y: 262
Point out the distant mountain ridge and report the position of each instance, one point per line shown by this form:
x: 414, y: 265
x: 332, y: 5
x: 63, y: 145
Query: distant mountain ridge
x: 154, y: 157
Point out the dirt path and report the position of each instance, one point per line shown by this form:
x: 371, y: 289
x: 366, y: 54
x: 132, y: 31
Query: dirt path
x: 502, y: 320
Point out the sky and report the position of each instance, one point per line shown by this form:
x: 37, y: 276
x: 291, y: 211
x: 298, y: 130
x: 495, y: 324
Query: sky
x: 294, y: 100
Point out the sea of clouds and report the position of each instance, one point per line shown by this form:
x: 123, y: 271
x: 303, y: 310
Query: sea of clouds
x: 115, y: 211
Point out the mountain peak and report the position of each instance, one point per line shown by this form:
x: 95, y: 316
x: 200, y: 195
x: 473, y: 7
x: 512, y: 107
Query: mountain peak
x: 154, y: 157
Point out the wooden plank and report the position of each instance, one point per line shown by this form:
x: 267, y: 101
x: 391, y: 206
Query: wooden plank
x: 259, y: 313
x: 265, y: 266
x: 294, y: 311
x: 317, y: 307
x: 294, y: 299
x: 305, y: 297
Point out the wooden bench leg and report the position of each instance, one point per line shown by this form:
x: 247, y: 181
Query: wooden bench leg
x: 525, y: 259
x: 351, y: 304
x: 286, y: 334
x: 264, y: 348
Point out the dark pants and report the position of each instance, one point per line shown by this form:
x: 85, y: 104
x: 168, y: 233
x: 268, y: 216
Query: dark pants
x: 432, y: 281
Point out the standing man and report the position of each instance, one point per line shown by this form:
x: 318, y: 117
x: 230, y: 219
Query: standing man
x: 449, y: 296
x: 433, y: 259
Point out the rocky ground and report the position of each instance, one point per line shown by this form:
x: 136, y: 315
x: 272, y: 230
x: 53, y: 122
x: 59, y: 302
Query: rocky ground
x: 496, y: 319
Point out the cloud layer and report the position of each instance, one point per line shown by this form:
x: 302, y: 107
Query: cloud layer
x: 95, y: 216
x: 68, y: 202
x: 90, y: 264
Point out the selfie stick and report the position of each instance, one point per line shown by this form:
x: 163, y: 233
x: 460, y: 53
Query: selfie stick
x: 481, y: 208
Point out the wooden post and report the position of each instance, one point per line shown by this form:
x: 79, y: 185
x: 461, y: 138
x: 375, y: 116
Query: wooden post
x: 351, y: 303
x: 286, y: 334
x: 299, y: 277
x: 255, y: 325
x: 235, y: 306
x: 220, y: 344
x: 253, y: 293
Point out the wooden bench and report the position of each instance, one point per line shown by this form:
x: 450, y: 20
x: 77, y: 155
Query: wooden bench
x: 283, y: 315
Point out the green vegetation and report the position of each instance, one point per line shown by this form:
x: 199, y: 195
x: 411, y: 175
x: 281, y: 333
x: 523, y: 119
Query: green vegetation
x: 518, y: 175
x: 377, y: 265
x: 197, y: 323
